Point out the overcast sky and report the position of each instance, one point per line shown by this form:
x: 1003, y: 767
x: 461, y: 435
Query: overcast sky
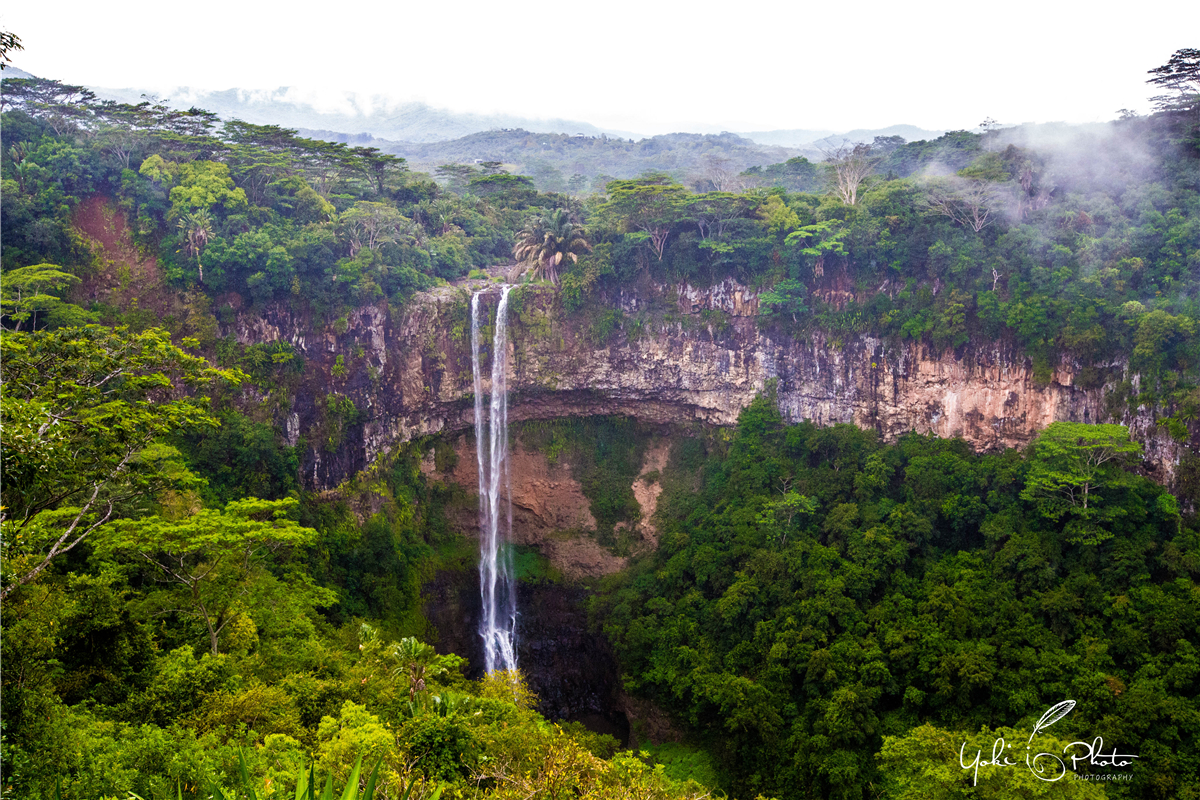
x: 640, y: 65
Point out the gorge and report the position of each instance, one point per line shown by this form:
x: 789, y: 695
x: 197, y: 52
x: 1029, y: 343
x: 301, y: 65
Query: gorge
x: 676, y: 357
x: 789, y: 490
x: 675, y: 354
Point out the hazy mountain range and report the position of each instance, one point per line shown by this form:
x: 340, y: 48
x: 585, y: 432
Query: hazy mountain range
x: 559, y: 154
x: 381, y: 118
x: 353, y: 113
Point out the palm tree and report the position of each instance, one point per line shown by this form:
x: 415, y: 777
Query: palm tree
x: 197, y: 229
x: 417, y: 661
x: 545, y: 241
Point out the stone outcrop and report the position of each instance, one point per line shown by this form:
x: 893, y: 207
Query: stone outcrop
x: 677, y: 355
x: 550, y: 511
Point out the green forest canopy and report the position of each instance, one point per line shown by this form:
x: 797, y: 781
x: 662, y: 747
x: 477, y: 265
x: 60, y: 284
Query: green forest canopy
x: 1085, y: 249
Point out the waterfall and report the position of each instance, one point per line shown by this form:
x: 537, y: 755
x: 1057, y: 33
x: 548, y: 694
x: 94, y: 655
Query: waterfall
x: 497, y: 582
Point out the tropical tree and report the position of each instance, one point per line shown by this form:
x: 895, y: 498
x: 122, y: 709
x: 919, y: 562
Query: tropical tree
x: 203, y: 186
x: 82, y: 409
x: 456, y: 176
x: 416, y: 661
x: 777, y: 515
x: 713, y: 212
x: 1180, y: 75
x: 849, y: 165
x: 371, y: 225
x: 646, y: 208
x: 63, y: 106
x: 214, y: 563
x: 378, y: 168
x: 819, y: 241
x: 439, y: 214
x: 970, y: 203
x: 1071, y: 463
x: 8, y: 41
x: 546, y: 240
x: 27, y: 290
x: 197, y: 229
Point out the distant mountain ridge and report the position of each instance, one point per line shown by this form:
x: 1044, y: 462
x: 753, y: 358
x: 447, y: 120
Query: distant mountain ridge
x: 809, y: 139
x: 328, y: 116
x: 561, y: 162
x: 354, y: 113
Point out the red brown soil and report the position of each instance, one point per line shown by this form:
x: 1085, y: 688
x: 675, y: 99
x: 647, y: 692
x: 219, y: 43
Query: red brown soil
x: 124, y: 277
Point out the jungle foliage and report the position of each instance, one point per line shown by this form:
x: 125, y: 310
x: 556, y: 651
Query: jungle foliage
x: 823, y: 613
x: 169, y: 634
x: 1076, y: 243
x: 232, y: 206
x: 833, y: 617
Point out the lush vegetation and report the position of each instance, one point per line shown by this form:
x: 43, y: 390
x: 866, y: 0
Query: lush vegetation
x: 168, y: 632
x: 235, y: 207
x: 581, y: 165
x: 824, y: 613
x: 832, y: 617
x: 1079, y: 244
x: 1064, y: 252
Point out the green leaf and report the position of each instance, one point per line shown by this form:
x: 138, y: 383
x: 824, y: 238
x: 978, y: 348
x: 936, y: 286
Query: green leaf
x: 303, y: 782
x: 369, y: 792
x: 351, y: 791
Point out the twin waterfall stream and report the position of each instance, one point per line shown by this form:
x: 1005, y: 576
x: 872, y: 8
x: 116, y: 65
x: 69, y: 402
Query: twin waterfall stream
x: 498, y: 583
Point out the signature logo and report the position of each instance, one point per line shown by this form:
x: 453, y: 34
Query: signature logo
x: 1046, y: 766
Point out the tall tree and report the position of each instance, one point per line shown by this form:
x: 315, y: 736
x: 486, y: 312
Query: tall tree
x: 82, y: 409
x: 9, y: 41
x: 970, y: 203
x: 546, y: 240
x: 1071, y: 463
x: 63, y: 106
x: 197, y: 228
x: 647, y: 207
x: 27, y: 290
x: 417, y: 661
x: 819, y: 241
x: 379, y: 169
x: 215, y: 562
x: 713, y: 211
x: 456, y: 176
x: 371, y: 225
x: 1181, y: 76
x: 850, y: 165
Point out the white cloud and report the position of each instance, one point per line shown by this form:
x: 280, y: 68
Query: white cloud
x: 643, y: 65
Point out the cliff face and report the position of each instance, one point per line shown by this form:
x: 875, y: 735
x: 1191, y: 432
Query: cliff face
x: 677, y: 355
x: 671, y: 356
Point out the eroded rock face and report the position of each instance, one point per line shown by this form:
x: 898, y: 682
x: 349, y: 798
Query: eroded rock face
x: 550, y: 511
x: 568, y: 663
x: 646, y: 490
x: 684, y: 354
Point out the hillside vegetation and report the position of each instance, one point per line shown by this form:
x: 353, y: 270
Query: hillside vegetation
x: 825, y: 615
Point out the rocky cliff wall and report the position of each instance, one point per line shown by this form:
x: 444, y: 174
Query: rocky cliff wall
x: 674, y: 355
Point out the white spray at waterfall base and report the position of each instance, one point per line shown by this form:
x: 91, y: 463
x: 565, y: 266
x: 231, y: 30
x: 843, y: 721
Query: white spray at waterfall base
x: 497, y: 582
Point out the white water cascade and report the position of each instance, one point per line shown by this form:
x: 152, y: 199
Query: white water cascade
x: 497, y: 582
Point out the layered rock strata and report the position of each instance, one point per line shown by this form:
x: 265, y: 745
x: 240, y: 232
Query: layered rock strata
x: 676, y: 355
